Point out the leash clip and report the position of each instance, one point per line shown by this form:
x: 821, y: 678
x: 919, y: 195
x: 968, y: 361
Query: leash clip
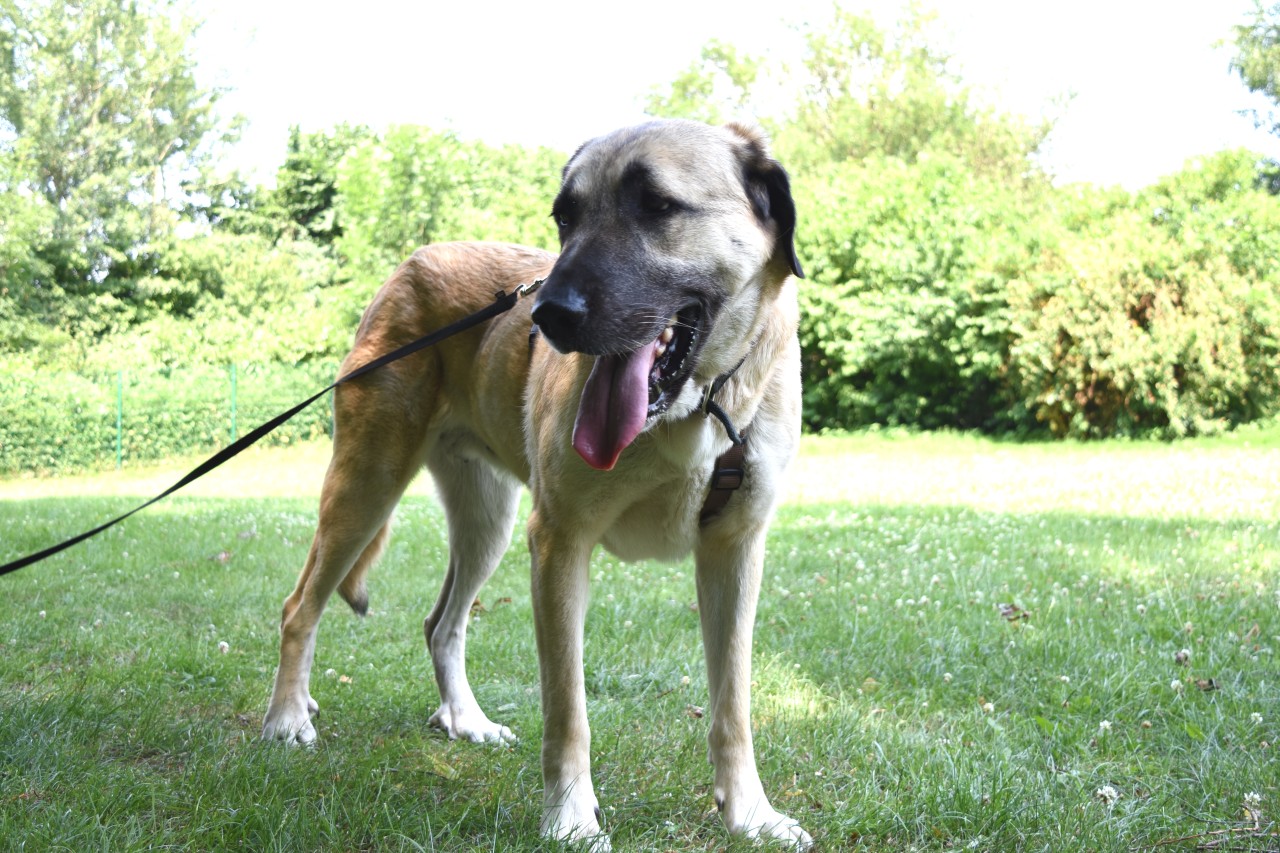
x: 531, y: 287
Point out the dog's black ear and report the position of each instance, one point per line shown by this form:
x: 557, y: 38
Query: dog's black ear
x: 769, y: 189
x: 783, y: 210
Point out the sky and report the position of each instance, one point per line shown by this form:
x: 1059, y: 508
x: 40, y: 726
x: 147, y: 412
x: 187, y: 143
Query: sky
x: 1138, y: 87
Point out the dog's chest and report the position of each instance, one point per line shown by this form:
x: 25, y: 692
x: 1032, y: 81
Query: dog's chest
x: 661, y: 524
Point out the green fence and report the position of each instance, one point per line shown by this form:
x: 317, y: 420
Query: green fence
x: 66, y: 422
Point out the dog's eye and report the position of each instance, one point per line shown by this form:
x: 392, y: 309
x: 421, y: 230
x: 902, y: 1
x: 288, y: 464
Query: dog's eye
x: 655, y: 203
x: 562, y: 212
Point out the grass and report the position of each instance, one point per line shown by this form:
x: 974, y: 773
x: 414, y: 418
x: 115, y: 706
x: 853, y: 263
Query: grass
x: 961, y: 644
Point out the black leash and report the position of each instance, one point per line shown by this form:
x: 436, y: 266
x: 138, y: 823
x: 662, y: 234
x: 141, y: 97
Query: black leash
x: 502, y: 303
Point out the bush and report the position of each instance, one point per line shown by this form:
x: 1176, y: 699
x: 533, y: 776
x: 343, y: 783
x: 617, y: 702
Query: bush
x: 1124, y: 331
x: 904, y: 319
x: 248, y: 301
x: 938, y: 299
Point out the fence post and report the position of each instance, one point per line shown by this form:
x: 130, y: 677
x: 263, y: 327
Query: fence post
x: 119, y: 419
x: 233, y: 402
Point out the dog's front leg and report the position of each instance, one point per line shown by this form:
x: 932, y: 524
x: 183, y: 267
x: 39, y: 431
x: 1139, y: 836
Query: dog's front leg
x: 559, y: 583
x: 729, y: 565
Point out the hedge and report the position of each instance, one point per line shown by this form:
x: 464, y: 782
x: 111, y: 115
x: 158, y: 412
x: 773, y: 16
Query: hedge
x: 53, y: 423
x: 937, y: 299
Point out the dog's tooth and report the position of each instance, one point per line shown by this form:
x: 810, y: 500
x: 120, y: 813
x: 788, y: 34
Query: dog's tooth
x: 661, y: 348
x: 667, y: 334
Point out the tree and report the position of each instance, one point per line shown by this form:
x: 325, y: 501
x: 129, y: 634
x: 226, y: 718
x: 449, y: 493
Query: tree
x: 862, y: 91
x: 716, y: 88
x: 869, y: 91
x: 415, y: 186
x: 101, y: 120
x: 1257, y: 58
x: 307, y: 182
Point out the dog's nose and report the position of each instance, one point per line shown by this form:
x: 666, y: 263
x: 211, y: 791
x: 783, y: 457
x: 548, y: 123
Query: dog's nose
x: 559, y: 316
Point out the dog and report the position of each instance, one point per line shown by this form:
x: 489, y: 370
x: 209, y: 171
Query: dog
x: 674, y: 295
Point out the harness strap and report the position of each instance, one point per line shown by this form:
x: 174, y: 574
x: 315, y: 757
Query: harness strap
x: 730, y: 470
x: 726, y: 477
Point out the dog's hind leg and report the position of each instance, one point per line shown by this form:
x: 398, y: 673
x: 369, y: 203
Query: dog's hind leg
x: 480, y: 503
x: 371, y: 466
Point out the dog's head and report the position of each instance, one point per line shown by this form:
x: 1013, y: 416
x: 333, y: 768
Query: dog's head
x: 672, y: 236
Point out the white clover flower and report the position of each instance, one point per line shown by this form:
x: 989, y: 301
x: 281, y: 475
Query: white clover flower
x: 1252, y: 800
x: 1176, y: 686
x: 224, y: 647
x: 1142, y: 610
x: 1065, y: 679
x: 1107, y: 794
x: 946, y: 678
x: 987, y: 707
x: 1255, y: 718
x: 1104, y: 726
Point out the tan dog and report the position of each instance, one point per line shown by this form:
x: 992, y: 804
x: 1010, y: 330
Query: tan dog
x: 675, y: 272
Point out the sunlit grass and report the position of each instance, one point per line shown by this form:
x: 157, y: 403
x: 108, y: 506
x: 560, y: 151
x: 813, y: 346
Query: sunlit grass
x: 960, y: 644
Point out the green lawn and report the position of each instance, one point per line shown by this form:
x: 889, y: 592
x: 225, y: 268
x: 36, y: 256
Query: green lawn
x: 961, y: 644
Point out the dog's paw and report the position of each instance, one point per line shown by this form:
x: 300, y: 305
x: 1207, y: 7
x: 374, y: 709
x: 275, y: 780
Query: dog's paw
x: 784, y: 829
x: 575, y: 823
x: 763, y: 823
x: 468, y: 722
x: 291, y: 725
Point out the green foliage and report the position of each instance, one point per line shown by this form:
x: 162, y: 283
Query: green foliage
x: 1257, y: 58
x: 306, y: 188
x: 415, y: 186
x: 950, y: 286
x: 936, y: 298
x: 717, y: 88
x: 1124, y: 331
x: 869, y: 92
x: 101, y: 122
x: 903, y: 317
x: 215, y: 298
x: 28, y: 222
x: 57, y: 423
x: 1159, y: 315
x: 244, y: 300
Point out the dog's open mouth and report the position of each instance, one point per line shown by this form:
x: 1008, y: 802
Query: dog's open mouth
x: 672, y: 365
x: 624, y: 391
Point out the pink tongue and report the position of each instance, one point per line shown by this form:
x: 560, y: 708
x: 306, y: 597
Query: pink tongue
x: 614, y: 405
